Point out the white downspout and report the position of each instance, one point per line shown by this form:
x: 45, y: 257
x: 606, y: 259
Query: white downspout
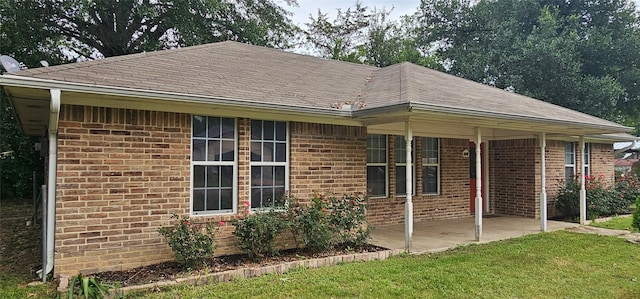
x: 478, y: 185
x: 543, y: 183
x: 408, y: 212
x: 583, y: 190
x: 49, y: 243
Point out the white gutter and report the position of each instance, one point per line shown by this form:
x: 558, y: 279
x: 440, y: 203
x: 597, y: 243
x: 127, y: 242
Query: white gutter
x: 37, y: 83
x: 49, y: 242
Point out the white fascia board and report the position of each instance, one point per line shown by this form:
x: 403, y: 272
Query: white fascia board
x: 37, y: 83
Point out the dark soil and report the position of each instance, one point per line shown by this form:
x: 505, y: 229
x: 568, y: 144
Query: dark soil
x: 172, y: 270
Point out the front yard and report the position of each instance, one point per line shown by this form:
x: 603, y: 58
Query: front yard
x: 550, y: 265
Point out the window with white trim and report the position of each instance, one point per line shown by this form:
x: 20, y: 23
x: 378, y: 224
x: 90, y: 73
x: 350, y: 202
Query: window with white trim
x: 401, y: 167
x: 213, y: 165
x: 569, y: 161
x: 430, y: 165
x: 269, y: 163
x: 587, y: 157
x: 377, y: 165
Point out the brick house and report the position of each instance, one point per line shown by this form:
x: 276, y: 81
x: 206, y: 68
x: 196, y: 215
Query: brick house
x: 205, y: 131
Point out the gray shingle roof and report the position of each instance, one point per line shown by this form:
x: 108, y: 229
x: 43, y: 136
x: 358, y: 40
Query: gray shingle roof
x: 244, y: 72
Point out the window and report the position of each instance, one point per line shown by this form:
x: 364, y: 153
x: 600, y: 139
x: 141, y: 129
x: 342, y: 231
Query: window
x: 377, y: 165
x: 569, y: 161
x: 430, y: 165
x: 401, y: 167
x: 587, y: 158
x: 213, y: 164
x: 269, y: 163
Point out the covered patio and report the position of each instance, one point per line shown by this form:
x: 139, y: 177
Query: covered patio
x: 439, y: 235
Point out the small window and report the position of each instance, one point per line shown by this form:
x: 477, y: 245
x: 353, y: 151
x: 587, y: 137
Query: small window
x: 587, y: 157
x: 401, y: 167
x: 430, y: 165
x: 269, y: 163
x: 213, y: 167
x: 569, y: 161
x: 377, y: 165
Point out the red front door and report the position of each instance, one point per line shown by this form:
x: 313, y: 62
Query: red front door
x: 472, y: 174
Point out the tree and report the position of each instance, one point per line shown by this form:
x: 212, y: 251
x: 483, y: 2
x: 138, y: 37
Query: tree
x: 579, y: 54
x: 105, y: 28
x: 361, y: 35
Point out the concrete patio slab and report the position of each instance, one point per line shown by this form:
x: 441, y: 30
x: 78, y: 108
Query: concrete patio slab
x: 439, y: 235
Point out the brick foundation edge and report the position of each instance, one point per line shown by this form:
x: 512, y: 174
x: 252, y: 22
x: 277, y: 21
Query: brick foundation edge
x: 244, y: 273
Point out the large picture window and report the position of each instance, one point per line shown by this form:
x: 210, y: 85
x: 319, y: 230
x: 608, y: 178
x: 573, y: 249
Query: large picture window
x: 269, y: 161
x: 430, y: 165
x: 401, y: 166
x: 377, y: 165
x: 569, y: 161
x: 213, y: 164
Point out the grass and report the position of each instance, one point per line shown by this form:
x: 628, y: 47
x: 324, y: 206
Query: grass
x: 20, y: 252
x: 550, y: 265
x: 616, y: 223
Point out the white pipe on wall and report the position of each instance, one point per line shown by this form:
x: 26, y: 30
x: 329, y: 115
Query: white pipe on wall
x: 50, y: 222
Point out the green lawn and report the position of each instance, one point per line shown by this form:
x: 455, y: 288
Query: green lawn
x: 550, y: 265
x: 616, y: 223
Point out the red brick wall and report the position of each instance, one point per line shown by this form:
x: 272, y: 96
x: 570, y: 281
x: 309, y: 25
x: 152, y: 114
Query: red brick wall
x: 453, y: 200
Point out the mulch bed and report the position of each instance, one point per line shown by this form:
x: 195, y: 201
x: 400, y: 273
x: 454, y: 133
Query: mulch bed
x: 171, y: 270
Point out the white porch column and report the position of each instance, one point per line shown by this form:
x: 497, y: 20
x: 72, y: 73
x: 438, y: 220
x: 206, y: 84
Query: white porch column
x: 583, y: 190
x: 543, y: 183
x: 408, y: 206
x: 478, y: 185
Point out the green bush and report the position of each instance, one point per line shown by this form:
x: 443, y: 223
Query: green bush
x: 349, y: 220
x: 257, y: 232
x: 603, y: 199
x: 192, y: 243
x: 329, y: 221
x: 88, y: 288
x: 310, y: 223
x: 636, y: 215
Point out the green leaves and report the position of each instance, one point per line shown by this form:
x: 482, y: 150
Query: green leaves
x: 88, y: 288
x: 192, y: 243
x: 580, y: 55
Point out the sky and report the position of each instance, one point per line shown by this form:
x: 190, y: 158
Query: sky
x: 306, y: 7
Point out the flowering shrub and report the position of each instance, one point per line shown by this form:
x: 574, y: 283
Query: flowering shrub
x: 192, y: 243
x: 349, y: 221
x: 330, y: 221
x: 257, y: 232
x: 603, y: 198
x: 310, y: 223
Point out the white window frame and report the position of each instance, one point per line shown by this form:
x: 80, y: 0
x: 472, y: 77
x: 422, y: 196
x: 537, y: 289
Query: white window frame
x: 426, y: 163
x: 572, y: 163
x: 385, y: 164
x: 269, y: 163
x: 586, y: 163
x: 413, y: 165
x: 234, y: 164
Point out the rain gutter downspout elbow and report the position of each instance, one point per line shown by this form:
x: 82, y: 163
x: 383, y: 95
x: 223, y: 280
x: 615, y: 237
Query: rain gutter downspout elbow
x: 49, y: 243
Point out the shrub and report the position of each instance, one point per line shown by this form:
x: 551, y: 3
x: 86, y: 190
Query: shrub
x: 603, y: 199
x: 310, y: 223
x: 636, y: 215
x: 349, y: 221
x: 192, y: 243
x: 257, y: 233
x: 329, y: 221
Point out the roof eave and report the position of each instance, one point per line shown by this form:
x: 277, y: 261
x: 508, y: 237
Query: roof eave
x: 45, y: 84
